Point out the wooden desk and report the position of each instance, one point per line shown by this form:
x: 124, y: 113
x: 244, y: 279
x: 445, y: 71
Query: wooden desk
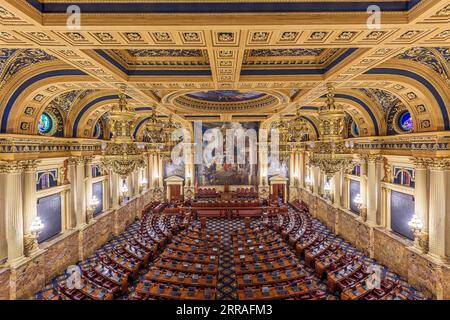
x: 287, y: 291
x: 190, y: 257
x: 187, y: 280
x: 252, y: 258
x: 265, y: 267
x: 154, y: 290
x: 187, y: 267
x: 268, y: 278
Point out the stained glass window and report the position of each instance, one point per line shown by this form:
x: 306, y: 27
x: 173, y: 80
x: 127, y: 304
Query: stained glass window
x: 45, y: 123
x: 355, y: 129
x: 405, y: 121
x: 97, y: 130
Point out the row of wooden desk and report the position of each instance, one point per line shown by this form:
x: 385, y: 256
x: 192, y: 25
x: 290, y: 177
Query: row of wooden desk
x: 186, y: 270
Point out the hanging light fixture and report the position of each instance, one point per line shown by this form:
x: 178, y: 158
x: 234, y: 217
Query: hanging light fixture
x: 331, y: 153
x: 298, y: 128
x: 159, y: 134
x: 122, y: 155
x: 283, y: 138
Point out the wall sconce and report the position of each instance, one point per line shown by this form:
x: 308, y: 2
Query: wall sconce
x: 143, y: 185
x: 327, y: 189
x: 156, y: 181
x: 123, y: 191
x: 308, y: 182
x: 188, y: 179
x: 92, y: 205
x: 30, y: 240
x: 420, y: 238
x: 359, y: 203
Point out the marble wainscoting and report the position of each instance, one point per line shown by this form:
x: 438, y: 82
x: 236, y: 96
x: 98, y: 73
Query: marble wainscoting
x: 25, y: 277
x: 424, y: 272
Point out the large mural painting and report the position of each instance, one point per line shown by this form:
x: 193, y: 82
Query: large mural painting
x: 218, y: 172
x: 171, y: 169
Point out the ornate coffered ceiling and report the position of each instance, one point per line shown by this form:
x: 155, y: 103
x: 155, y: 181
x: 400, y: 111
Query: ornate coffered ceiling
x: 167, y: 51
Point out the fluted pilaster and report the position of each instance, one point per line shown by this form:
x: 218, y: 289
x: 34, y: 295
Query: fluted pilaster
x: 12, y: 208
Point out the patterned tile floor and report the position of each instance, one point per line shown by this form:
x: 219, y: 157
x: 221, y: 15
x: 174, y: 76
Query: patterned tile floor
x: 226, y: 288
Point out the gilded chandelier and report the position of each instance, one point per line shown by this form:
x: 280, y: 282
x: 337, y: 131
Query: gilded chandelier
x: 159, y: 134
x: 331, y: 154
x: 298, y: 128
x: 122, y: 155
x: 283, y: 139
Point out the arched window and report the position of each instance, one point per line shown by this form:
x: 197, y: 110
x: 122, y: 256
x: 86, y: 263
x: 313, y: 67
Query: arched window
x: 45, y: 123
x: 46, y: 179
x: 355, y: 129
x: 356, y: 170
x: 96, y: 171
x: 404, y: 177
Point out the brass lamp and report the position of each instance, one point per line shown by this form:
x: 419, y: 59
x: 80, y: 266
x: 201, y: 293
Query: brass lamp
x: 30, y: 240
x: 359, y: 203
x: 92, y: 205
x: 420, y: 238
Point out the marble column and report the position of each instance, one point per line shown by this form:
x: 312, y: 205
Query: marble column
x: 322, y: 182
x: 155, y: 170
x: 72, y: 175
x: 115, y: 189
x: 12, y: 208
x: 371, y: 194
x: 315, y: 180
x: 337, y: 186
x: 345, y: 192
x: 29, y: 199
x: 291, y: 169
x: 421, y: 194
x: 81, y: 193
x: 379, y: 178
x: 161, y: 171
x: 30, y: 205
x: 438, y: 205
x: 88, y: 179
x: 136, y: 182
x: 301, y: 169
x: 363, y: 181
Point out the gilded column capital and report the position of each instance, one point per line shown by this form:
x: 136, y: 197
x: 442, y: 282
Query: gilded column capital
x: 11, y: 166
x: 30, y: 166
x: 439, y: 164
x: 363, y: 157
x: 420, y: 163
x: 88, y: 159
x: 372, y: 157
x: 74, y: 160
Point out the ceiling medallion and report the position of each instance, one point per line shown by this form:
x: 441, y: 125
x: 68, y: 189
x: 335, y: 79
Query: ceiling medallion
x: 331, y: 153
x: 122, y: 155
